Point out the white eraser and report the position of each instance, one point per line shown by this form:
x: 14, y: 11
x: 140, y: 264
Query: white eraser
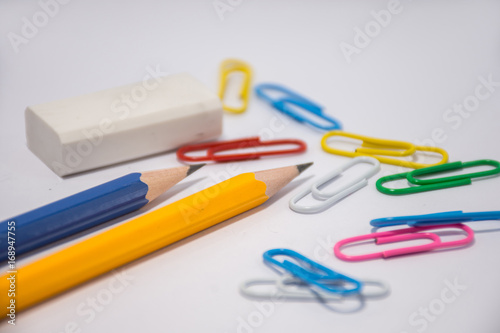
x: 119, y: 124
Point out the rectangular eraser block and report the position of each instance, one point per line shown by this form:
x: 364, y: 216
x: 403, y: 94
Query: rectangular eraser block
x: 119, y: 124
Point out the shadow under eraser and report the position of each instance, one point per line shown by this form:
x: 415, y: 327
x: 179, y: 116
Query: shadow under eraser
x: 119, y: 124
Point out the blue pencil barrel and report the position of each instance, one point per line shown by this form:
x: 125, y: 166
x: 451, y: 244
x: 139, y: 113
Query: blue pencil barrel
x: 73, y: 214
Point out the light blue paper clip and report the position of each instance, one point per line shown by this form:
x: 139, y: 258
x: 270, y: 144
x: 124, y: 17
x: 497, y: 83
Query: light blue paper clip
x: 313, y: 273
x: 436, y: 218
x: 282, y: 105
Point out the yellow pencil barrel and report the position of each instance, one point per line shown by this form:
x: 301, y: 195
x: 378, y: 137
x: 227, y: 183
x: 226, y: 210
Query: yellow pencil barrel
x: 113, y: 248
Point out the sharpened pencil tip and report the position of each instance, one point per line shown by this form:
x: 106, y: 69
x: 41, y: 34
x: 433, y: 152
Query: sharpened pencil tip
x: 193, y: 168
x: 302, y: 167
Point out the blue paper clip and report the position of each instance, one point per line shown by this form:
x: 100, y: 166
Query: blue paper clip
x: 282, y: 104
x: 313, y: 273
x: 436, y: 219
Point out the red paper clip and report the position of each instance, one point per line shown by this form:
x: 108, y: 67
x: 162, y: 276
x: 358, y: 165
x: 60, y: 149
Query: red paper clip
x: 214, y: 147
x: 400, y: 235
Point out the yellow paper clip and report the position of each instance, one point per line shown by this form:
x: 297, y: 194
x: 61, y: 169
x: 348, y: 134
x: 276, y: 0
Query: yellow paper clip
x: 226, y: 68
x: 373, y: 147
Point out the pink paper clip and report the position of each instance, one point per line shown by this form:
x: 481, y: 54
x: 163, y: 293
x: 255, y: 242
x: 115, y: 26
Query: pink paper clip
x: 401, y: 235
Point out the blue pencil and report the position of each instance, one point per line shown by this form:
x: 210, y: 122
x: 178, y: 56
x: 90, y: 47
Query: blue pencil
x: 87, y: 209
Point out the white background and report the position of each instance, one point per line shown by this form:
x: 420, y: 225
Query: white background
x: 428, y: 58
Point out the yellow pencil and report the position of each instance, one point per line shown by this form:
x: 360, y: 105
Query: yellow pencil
x: 115, y: 247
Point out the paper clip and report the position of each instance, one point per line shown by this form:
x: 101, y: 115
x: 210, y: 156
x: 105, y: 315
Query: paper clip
x: 401, y: 235
x: 289, y: 287
x: 437, y: 183
x: 227, y: 68
x: 292, y: 98
x: 312, y: 273
x: 298, y: 279
x: 214, y: 147
x: 329, y: 198
x: 374, y: 147
x: 436, y: 219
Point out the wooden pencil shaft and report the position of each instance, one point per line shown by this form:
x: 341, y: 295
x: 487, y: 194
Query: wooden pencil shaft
x: 81, y: 262
x: 75, y: 213
x: 136, y: 238
x: 86, y: 209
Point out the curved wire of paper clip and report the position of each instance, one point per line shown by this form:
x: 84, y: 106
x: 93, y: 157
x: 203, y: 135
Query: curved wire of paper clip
x: 424, y: 185
x: 292, y: 98
x: 227, y: 67
x: 374, y: 147
x: 313, y: 273
x: 436, y: 219
x: 213, y: 148
x: 259, y: 90
x: 401, y: 235
x: 329, y: 198
x: 302, y: 291
x: 454, y: 166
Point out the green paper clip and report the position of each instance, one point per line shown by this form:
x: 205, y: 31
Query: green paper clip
x: 424, y: 185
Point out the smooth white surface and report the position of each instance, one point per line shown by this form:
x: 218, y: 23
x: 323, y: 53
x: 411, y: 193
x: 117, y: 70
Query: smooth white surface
x: 155, y: 115
x: 400, y: 86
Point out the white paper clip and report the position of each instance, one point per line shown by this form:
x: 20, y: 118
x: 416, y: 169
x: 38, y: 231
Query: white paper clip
x: 290, y: 288
x: 327, y: 199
